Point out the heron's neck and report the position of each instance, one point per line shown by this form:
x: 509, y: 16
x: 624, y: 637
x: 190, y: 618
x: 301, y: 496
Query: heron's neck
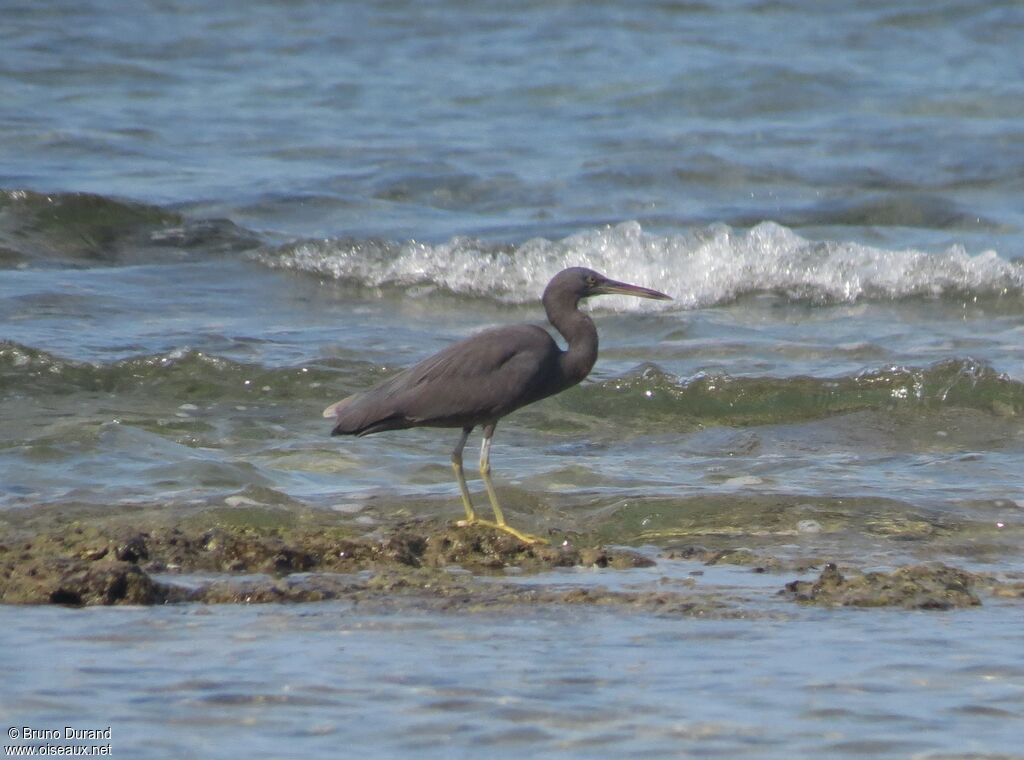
x: 580, y: 333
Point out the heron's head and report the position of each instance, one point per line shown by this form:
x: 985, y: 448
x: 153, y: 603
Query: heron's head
x: 581, y: 282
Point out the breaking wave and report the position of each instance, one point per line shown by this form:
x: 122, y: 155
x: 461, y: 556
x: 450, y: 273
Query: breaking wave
x: 172, y: 377
x: 84, y: 229
x: 703, y: 268
x: 647, y: 396
x: 655, y: 399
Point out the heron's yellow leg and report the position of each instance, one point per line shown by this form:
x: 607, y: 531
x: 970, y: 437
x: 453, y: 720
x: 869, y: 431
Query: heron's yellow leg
x: 457, y: 466
x: 471, y: 518
x: 499, y: 516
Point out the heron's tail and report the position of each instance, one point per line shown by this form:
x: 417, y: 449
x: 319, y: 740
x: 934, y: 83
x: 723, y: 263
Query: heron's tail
x: 344, y: 424
x: 334, y: 409
x: 351, y: 418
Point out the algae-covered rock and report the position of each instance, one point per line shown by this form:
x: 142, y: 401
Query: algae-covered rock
x: 928, y: 587
x: 760, y: 562
x: 86, y: 559
x: 79, y: 582
x: 480, y: 548
x: 97, y: 563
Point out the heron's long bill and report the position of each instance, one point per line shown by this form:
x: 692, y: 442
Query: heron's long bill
x: 612, y: 287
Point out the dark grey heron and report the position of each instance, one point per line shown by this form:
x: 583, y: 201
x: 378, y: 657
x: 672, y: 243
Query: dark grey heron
x: 480, y: 379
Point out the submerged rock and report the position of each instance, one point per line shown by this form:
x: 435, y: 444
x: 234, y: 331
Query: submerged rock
x: 130, y: 558
x: 79, y: 582
x: 759, y: 562
x: 95, y: 565
x: 927, y: 587
x: 481, y: 548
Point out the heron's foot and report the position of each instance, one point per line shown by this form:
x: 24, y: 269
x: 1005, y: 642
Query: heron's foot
x: 526, y: 538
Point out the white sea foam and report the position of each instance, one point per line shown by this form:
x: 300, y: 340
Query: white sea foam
x: 702, y: 268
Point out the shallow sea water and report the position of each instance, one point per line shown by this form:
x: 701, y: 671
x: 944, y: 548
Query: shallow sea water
x: 215, y: 219
x: 316, y: 680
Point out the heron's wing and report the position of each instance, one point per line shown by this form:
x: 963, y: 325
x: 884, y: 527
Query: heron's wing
x: 479, y: 378
x: 387, y: 388
x: 482, y: 377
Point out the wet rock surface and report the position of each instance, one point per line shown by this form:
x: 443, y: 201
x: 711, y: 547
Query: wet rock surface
x: 80, y: 582
x: 82, y: 564
x: 237, y: 556
x: 742, y: 557
x: 927, y: 587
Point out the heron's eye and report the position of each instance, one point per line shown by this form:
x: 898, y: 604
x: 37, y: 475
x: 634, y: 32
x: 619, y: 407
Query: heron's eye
x: 591, y: 280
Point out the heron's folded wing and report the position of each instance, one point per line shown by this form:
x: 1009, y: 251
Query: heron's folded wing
x: 479, y: 378
x: 483, y: 376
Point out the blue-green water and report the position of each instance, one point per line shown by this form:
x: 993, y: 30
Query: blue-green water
x: 215, y: 219
x: 319, y: 681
